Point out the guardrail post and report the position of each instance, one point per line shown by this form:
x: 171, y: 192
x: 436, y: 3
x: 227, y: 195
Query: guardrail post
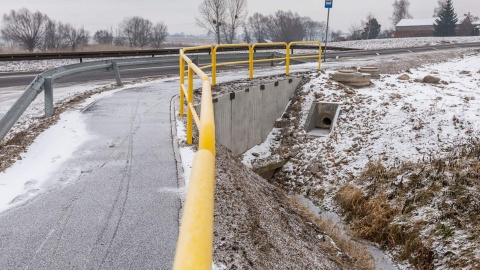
x: 190, y: 101
x: 182, y: 82
x: 117, y: 73
x: 48, y: 89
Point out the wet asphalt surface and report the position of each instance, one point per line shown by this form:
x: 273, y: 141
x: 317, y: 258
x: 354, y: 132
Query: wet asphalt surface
x: 122, y: 210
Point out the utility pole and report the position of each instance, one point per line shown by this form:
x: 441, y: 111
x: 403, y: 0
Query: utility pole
x: 329, y: 5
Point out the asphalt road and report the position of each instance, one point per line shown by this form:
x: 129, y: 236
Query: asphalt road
x: 8, y: 79
x: 122, y: 212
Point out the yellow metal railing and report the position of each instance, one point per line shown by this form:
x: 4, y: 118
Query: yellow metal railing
x: 195, y: 242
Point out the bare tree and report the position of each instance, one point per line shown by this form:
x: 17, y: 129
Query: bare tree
x: 74, y: 37
x: 236, y: 15
x: 213, y: 14
x: 25, y: 28
x: 103, y: 36
x: 400, y: 11
x: 247, y: 38
x: 313, y: 30
x: 355, y: 32
x: 145, y: 33
x: 439, y: 8
x: 159, y: 34
x: 53, y: 35
x: 258, y: 25
x: 287, y: 27
x: 136, y: 30
x: 336, y: 35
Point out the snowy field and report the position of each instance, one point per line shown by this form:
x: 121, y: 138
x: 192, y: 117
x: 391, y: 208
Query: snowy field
x: 42, y: 65
x: 393, y: 43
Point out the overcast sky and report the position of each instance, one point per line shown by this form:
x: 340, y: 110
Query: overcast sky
x: 179, y: 14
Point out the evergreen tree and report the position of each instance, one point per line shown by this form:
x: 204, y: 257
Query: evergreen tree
x: 372, y: 29
x: 447, y: 21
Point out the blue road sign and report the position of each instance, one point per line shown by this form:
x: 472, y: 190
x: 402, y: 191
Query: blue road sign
x: 328, y: 3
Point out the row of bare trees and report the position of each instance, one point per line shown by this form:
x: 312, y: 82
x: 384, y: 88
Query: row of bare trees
x: 225, y: 18
x: 284, y: 26
x: 36, y: 31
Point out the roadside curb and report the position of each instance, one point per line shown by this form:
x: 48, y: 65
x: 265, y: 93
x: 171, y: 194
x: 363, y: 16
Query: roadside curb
x: 176, y: 146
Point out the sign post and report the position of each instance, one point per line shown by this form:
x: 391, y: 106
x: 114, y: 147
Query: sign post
x: 329, y: 5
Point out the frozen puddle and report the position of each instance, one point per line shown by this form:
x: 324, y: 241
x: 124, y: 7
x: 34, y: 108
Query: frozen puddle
x: 382, y: 260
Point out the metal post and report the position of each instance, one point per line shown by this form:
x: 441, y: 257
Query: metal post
x: 117, y: 73
x: 214, y: 66
x: 326, y: 39
x: 182, y: 82
x: 250, y: 58
x: 190, y: 101
x: 287, y: 61
x: 48, y: 89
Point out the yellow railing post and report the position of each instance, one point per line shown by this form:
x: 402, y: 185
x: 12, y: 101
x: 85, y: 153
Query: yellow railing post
x: 214, y: 65
x: 250, y: 58
x: 182, y: 82
x: 320, y: 57
x: 287, y: 62
x: 190, y: 101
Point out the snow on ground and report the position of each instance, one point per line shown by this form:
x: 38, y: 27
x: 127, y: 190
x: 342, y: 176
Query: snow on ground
x: 28, y: 176
x: 394, y: 121
x: 392, y: 43
x: 61, y: 92
x: 398, y: 119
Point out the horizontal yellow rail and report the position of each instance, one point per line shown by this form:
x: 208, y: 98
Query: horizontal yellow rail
x: 195, y: 241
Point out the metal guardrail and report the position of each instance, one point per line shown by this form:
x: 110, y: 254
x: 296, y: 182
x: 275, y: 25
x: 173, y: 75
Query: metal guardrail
x: 195, y: 242
x: 46, y: 80
x: 132, y: 53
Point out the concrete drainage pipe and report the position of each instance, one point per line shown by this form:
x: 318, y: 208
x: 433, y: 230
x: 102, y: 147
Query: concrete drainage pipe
x: 325, y: 120
x: 373, y: 71
x: 352, y: 78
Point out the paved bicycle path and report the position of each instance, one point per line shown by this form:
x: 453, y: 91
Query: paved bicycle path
x: 122, y: 212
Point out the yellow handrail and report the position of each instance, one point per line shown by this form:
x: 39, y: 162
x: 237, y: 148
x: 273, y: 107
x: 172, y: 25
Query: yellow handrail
x: 195, y: 241
x: 266, y: 44
x: 300, y: 57
x: 214, y: 58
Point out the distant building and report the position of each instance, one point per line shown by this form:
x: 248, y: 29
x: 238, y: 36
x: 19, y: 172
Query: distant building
x: 476, y: 30
x: 425, y: 27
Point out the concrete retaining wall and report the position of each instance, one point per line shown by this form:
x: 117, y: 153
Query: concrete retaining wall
x: 244, y: 118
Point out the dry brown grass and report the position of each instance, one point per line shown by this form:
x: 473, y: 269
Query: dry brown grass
x: 385, y: 209
x: 371, y: 219
x: 357, y: 253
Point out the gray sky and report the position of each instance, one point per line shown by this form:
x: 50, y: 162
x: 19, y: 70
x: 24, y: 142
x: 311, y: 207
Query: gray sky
x: 179, y: 15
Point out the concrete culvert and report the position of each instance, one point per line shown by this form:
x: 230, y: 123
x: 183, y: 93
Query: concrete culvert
x: 373, y: 71
x: 325, y: 120
x: 352, y: 78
